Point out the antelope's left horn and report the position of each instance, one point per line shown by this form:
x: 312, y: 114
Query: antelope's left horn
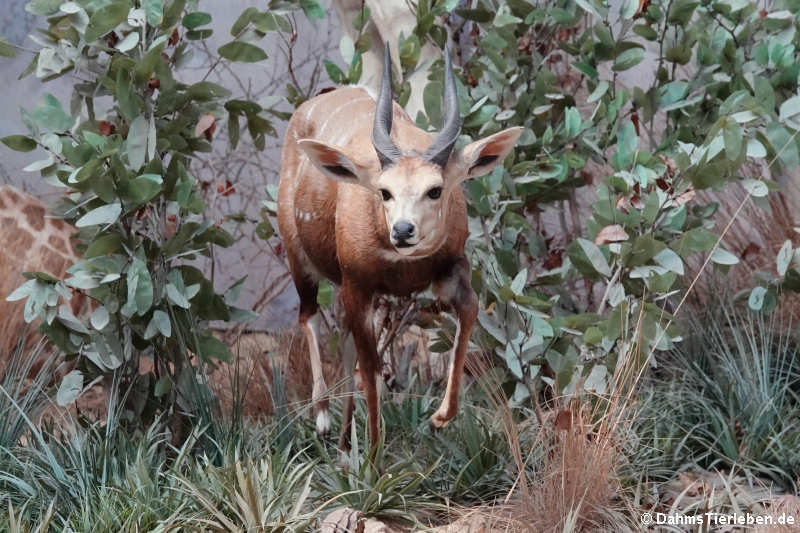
x: 382, y: 127
x: 439, y: 150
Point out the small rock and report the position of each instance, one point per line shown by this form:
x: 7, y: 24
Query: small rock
x: 349, y: 520
x: 345, y: 520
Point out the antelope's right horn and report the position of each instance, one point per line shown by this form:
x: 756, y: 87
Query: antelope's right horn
x: 382, y: 127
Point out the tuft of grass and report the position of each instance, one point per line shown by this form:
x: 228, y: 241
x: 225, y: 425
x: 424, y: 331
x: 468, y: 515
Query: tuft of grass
x: 727, y: 398
x: 270, y: 494
x: 23, y: 391
x: 379, y: 487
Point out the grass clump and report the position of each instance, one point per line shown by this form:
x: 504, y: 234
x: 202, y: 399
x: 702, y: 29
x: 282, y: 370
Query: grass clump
x: 726, y: 398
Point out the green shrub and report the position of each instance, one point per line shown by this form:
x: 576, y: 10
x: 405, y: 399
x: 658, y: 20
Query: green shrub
x: 123, y: 153
x: 718, y: 108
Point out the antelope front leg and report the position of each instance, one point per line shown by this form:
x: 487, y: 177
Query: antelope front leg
x: 358, y: 309
x: 455, y: 289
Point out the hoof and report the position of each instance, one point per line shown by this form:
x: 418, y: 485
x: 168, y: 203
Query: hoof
x: 323, y: 422
x: 439, y: 421
x: 343, y: 460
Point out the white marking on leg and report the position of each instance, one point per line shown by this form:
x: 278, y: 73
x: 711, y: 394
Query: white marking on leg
x: 323, y: 422
x: 319, y: 389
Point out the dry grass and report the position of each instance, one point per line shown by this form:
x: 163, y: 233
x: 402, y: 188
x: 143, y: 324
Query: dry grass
x: 576, y: 478
x: 788, y: 505
x: 257, y: 357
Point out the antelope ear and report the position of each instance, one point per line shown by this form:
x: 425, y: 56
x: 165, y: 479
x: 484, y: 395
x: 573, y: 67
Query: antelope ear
x: 480, y: 157
x: 334, y: 163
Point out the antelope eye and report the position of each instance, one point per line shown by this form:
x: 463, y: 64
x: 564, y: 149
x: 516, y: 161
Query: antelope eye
x: 435, y: 193
x: 386, y: 195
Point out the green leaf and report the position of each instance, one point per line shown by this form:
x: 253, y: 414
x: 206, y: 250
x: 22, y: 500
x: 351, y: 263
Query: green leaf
x: 244, y: 19
x: 161, y: 322
x: 628, y: 8
x: 334, y: 72
x: 755, y: 187
x: 503, y: 17
x: 756, y: 299
x: 140, y: 189
x: 163, y: 386
x: 670, y: 260
x: 695, y: 240
x: 140, y: 285
x: 176, y: 297
x: 209, y: 347
x: 572, y: 122
x: 106, y: 19
x: 242, y: 52
x: 784, y: 144
x: 627, y: 141
x: 476, y: 15
x: 732, y: 135
x: 595, y: 256
x: 50, y: 116
x: 789, y: 108
x: 356, y: 67
x: 23, y: 291
x: 628, y: 59
x: 325, y: 294
x: 592, y: 335
x: 6, y: 49
x: 70, y: 388
x: 105, y: 214
x: 784, y: 258
x: 313, y: 9
x: 42, y: 276
x: 722, y: 256
x: 598, y: 92
x: 205, y: 91
x: 99, y: 318
x: 154, y: 9
x: 173, y: 12
x: 136, y: 143
x: 128, y: 101
x: 432, y: 101
x: 43, y: 7
x: 20, y: 143
x: 587, y: 6
x: 269, y: 21
x: 518, y: 283
x: 150, y: 62
x: 681, y: 11
x: 196, y: 19
x: 645, y: 31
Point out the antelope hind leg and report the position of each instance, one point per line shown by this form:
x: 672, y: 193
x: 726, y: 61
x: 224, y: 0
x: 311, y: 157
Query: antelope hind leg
x: 319, y: 389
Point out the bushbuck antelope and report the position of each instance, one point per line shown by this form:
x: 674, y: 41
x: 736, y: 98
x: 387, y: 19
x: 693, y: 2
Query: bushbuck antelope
x: 371, y: 202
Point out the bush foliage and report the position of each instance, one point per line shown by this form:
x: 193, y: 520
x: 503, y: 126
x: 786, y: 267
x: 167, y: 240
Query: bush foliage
x: 719, y: 107
x: 123, y: 152
x: 716, y: 105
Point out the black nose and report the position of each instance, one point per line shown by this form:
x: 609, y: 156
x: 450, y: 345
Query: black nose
x: 402, y: 231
